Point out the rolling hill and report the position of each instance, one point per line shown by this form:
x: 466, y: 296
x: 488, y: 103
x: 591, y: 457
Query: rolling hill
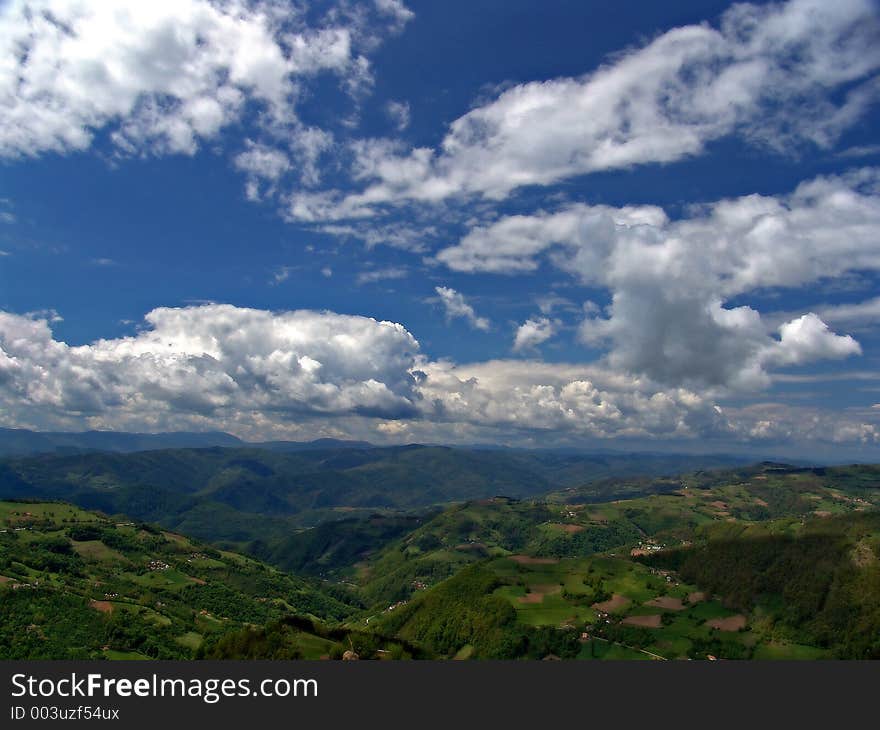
x: 766, y: 562
x: 24, y: 442
x: 77, y: 584
x: 241, y: 495
x: 762, y: 561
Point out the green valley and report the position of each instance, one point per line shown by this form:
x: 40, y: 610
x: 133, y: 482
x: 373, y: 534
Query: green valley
x: 761, y: 562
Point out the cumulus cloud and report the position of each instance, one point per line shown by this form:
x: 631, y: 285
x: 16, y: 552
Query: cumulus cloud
x: 308, y: 144
x: 215, y: 361
x: 226, y: 365
x: 780, y: 75
x: 521, y: 401
x: 456, y: 307
x: 669, y: 280
x: 778, y: 423
x: 273, y: 374
x: 533, y: 332
x: 808, y: 338
x: 167, y: 76
x: 532, y: 395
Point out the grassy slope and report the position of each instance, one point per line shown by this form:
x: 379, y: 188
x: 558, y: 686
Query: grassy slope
x: 77, y: 584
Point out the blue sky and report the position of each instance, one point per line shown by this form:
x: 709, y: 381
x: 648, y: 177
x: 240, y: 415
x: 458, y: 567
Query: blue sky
x: 619, y: 225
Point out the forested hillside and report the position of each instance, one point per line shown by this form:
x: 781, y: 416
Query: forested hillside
x: 820, y: 580
x: 255, y: 499
x: 75, y: 584
x: 766, y: 561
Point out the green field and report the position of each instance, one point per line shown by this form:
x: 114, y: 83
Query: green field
x: 582, y: 579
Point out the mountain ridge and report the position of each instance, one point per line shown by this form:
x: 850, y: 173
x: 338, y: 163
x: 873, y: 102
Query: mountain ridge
x: 26, y: 442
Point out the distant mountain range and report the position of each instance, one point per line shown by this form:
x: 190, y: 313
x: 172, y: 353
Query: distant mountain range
x: 242, y: 494
x: 22, y: 442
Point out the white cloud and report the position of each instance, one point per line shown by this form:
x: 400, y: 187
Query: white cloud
x: 771, y: 73
x: 774, y: 423
x: 317, y: 50
x: 261, y: 162
x: 218, y: 364
x: 399, y: 114
x: 171, y: 72
x: 669, y: 280
x: 384, y: 274
x: 533, y: 332
x: 868, y: 150
x: 265, y: 165
x: 519, y: 402
x: 320, y: 206
x: 215, y: 361
x: 397, y: 10
x: 550, y: 302
x: 808, y: 338
x: 281, y: 274
x: 276, y: 374
x: 308, y: 144
x: 396, y: 235
x: 824, y: 377
x: 538, y: 396
x: 456, y: 307
x: 166, y: 76
x: 860, y: 315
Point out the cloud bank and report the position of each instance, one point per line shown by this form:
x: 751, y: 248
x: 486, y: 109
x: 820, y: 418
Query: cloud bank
x: 267, y: 374
x: 210, y: 360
